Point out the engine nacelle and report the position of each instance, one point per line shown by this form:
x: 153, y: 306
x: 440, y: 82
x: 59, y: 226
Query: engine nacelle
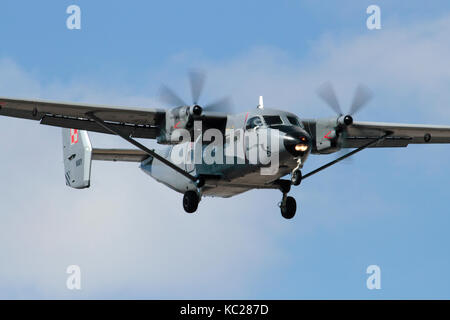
x: 178, y: 118
x: 328, y: 134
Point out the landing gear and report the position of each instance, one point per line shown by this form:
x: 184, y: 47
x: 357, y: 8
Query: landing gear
x: 288, y: 207
x: 296, y: 174
x: 296, y: 177
x: 190, y: 201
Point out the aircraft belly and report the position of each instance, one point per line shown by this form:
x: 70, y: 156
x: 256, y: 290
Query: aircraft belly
x: 254, y: 178
x: 223, y: 191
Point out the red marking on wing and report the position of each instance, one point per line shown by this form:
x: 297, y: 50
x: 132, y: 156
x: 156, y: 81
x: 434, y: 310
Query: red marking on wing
x: 327, y: 135
x: 176, y: 126
x: 246, y: 116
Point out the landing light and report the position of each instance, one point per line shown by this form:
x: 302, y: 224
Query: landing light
x: 301, y: 147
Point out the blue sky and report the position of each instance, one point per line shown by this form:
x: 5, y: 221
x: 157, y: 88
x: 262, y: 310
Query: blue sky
x: 130, y: 235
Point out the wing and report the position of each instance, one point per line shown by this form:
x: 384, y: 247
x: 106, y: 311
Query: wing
x: 135, y: 122
x: 360, y: 133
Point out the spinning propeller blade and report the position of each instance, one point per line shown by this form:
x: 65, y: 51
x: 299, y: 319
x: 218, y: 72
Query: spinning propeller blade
x: 326, y: 92
x: 168, y: 96
x: 220, y: 105
x: 197, y: 83
x: 361, y: 98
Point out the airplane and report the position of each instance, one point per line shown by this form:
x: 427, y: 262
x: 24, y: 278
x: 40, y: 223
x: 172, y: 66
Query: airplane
x: 297, y: 138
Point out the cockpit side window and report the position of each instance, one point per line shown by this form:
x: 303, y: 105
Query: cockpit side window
x: 253, y: 123
x: 272, y: 120
x: 293, y: 120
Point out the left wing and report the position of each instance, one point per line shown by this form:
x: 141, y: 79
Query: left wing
x: 135, y: 122
x: 360, y: 133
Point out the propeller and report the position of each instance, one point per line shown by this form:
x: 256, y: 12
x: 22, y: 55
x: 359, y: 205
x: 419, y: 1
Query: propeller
x: 169, y: 97
x: 360, y: 99
x: 197, y: 81
x: 223, y: 104
x: 327, y: 93
x: 362, y: 96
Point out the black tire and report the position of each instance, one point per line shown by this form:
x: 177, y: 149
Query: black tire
x: 289, y: 209
x: 190, y: 201
x: 296, y: 177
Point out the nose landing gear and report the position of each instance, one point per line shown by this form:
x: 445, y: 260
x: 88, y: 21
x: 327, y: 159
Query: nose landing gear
x: 288, y: 205
x: 296, y: 175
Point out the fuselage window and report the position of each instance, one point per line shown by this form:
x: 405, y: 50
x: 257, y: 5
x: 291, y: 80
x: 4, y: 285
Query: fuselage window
x: 293, y: 120
x: 253, y: 123
x: 272, y: 120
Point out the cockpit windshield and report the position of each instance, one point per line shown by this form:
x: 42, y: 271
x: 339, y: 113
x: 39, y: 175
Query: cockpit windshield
x: 293, y: 120
x: 272, y: 120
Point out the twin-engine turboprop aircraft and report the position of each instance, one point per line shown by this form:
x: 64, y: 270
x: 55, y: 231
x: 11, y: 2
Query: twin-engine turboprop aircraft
x: 249, y: 150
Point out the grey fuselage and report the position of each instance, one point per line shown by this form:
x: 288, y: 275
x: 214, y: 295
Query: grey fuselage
x: 240, y: 174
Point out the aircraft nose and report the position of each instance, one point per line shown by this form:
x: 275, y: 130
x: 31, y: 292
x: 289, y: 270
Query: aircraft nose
x: 297, y: 143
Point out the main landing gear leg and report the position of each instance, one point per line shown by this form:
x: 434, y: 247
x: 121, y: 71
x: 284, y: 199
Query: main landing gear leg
x: 288, y: 205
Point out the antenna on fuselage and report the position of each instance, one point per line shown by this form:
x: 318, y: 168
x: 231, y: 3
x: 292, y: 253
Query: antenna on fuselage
x: 261, y: 103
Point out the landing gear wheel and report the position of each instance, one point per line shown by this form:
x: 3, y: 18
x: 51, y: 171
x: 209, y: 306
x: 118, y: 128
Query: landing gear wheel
x: 296, y: 177
x: 190, y: 201
x: 288, y: 208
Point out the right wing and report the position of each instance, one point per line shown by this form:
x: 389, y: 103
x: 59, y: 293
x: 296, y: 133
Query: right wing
x: 147, y: 123
x: 135, y: 122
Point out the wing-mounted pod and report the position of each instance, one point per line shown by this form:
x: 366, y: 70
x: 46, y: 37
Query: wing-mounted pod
x: 77, y: 153
x: 330, y: 133
x: 179, y: 118
x: 327, y: 136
